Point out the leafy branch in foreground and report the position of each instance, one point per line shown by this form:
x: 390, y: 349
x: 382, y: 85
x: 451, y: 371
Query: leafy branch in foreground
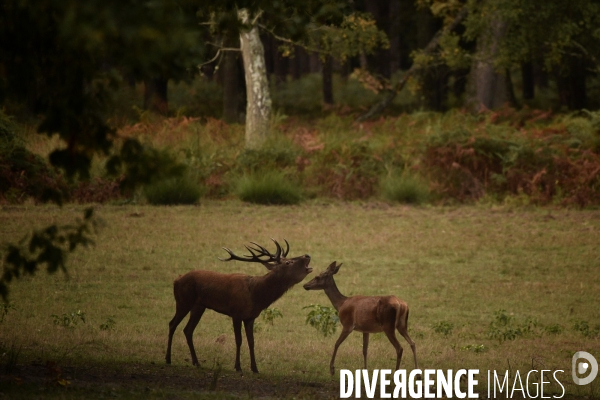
x: 48, y: 246
x: 322, y: 318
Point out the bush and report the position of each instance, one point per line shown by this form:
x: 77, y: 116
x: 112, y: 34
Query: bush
x: 271, y: 187
x: 276, y: 153
x: 346, y: 169
x: 24, y: 174
x: 443, y: 328
x: 173, y: 191
x: 406, y: 189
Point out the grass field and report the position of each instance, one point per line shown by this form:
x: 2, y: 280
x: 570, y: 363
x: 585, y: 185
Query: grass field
x: 456, y: 267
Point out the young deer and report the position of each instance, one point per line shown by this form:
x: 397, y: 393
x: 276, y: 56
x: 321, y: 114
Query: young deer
x: 366, y: 314
x: 242, y: 297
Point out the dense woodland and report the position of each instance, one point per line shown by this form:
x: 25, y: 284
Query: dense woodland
x: 72, y: 69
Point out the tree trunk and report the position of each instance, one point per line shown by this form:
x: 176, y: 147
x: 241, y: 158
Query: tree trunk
x: 327, y: 74
x: 434, y: 80
x: 280, y: 66
x: 394, y: 35
x: 231, y: 82
x: 155, y: 95
x: 258, y: 108
x: 572, y: 86
x: 487, y: 89
x: 527, y: 77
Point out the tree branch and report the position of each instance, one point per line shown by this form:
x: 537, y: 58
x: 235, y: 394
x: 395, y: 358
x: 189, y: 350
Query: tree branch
x: 219, y: 50
x: 289, y: 41
x: 431, y: 46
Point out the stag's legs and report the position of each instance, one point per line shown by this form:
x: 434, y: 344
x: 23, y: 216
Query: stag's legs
x: 249, y: 327
x: 403, y: 329
x: 237, y: 330
x: 390, y: 332
x: 180, y: 313
x: 342, y: 337
x: 365, y: 346
x: 188, y: 331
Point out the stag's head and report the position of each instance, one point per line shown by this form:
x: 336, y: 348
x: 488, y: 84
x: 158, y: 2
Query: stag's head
x: 295, y: 268
x: 324, y: 279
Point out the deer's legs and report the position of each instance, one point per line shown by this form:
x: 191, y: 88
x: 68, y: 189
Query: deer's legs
x: 249, y: 328
x: 402, y: 328
x: 180, y: 313
x: 390, y: 332
x: 342, y: 337
x: 195, y: 315
x: 365, y: 346
x: 237, y: 330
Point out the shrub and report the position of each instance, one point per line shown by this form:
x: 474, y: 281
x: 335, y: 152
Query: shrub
x: 173, y: 191
x: 505, y: 327
x: 69, y: 320
x: 443, y: 328
x: 346, y: 169
x: 584, y: 328
x: 271, y: 187
x: 24, y: 174
x: 406, y: 189
x: 323, y: 319
x: 276, y: 153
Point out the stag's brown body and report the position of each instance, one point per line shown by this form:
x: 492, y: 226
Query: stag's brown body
x: 242, y: 297
x: 366, y: 314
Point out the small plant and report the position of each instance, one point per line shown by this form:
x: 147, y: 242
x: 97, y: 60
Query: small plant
x: 503, y: 327
x: 475, y: 348
x: 324, y: 319
x: 10, y: 357
x: 407, y: 189
x: 4, y: 309
x: 269, y: 314
x: 69, y: 320
x: 443, y: 328
x: 584, y: 328
x: 173, y: 191
x: 216, y: 373
x: 108, y: 325
x: 272, y: 187
x: 554, y: 329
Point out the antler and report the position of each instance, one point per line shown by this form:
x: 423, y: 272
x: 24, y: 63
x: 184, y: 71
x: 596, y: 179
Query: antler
x: 258, y: 252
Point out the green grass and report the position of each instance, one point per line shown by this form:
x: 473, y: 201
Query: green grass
x: 459, y: 266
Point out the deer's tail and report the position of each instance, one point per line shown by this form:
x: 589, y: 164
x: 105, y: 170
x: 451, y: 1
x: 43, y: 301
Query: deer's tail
x: 401, y: 315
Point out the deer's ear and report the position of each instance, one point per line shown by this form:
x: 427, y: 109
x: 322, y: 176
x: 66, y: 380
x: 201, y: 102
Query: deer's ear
x: 335, y: 271
x: 331, y: 267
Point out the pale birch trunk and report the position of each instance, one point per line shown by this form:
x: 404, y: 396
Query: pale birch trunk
x: 258, y: 109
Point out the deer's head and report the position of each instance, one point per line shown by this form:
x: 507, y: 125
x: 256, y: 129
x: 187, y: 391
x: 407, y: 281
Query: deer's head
x: 295, y: 268
x: 324, y: 279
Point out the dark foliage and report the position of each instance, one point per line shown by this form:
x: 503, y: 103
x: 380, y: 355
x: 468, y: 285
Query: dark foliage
x: 49, y: 246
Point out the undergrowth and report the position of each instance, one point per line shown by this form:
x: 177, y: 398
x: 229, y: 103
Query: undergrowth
x: 271, y: 187
x: 507, y: 156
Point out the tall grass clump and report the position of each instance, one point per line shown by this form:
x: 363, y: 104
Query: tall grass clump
x: 182, y: 190
x: 270, y: 187
x: 405, y: 188
x: 278, y: 153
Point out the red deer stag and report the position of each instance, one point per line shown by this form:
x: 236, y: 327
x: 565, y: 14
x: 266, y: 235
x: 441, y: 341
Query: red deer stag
x: 242, y: 297
x: 366, y: 314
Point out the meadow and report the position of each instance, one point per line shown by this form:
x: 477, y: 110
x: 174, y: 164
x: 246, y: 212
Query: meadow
x: 489, y: 286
